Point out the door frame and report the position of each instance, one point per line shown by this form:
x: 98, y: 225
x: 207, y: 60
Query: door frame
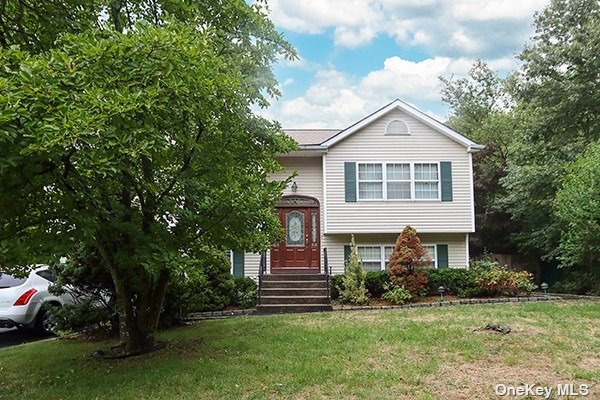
x: 291, y: 202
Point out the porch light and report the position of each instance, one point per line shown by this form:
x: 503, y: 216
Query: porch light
x: 441, y: 291
x: 294, y: 187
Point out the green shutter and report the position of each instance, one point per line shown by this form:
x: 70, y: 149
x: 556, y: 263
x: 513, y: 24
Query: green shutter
x: 346, y: 253
x: 446, y: 174
x: 238, y: 263
x: 442, y: 255
x: 350, y: 181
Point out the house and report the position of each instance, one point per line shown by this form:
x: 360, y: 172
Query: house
x: 395, y: 167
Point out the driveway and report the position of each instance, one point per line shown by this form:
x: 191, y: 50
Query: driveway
x: 12, y: 337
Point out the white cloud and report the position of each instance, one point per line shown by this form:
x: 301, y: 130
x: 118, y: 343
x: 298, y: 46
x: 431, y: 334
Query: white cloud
x: 455, y: 28
x: 337, y: 99
x: 352, y: 38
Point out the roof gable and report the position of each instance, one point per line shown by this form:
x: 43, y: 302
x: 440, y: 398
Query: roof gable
x: 410, y: 110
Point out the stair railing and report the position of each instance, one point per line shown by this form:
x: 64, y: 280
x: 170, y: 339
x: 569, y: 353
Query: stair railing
x: 262, y: 268
x: 327, y: 273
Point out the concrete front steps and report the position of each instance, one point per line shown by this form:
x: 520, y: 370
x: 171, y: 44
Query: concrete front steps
x: 293, y: 293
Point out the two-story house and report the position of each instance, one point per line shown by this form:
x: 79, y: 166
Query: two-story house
x: 393, y: 168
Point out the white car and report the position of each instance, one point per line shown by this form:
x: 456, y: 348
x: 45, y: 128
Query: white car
x: 24, y: 301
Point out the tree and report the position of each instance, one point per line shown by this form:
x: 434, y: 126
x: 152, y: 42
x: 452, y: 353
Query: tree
x: 353, y: 287
x: 482, y: 109
x: 35, y: 25
x: 577, y: 206
x: 558, y: 94
x: 143, y: 146
x: 407, y: 257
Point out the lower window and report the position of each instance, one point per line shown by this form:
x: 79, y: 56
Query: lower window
x: 372, y: 259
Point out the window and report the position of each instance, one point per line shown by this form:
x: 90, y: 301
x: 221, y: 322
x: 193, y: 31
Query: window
x: 370, y: 181
x: 371, y: 256
x: 431, y: 252
x: 398, y: 181
x: 372, y: 261
x: 397, y: 127
x: 426, y: 181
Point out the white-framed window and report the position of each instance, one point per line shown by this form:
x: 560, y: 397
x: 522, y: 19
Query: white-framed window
x: 431, y: 250
x: 398, y: 181
x: 397, y: 127
x: 370, y: 181
x: 427, y: 181
x: 371, y: 255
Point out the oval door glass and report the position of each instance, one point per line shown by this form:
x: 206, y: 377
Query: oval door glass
x: 295, y: 228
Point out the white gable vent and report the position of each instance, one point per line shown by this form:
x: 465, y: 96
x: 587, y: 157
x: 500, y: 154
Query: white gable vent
x: 397, y: 127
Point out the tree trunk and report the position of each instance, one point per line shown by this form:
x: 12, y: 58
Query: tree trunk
x: 139, y: 303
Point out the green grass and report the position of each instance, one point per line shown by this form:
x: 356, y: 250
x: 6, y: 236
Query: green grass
x: 428, y: 353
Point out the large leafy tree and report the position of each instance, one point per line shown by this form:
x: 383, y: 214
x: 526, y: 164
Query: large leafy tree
x: 578, y: 208
x: 558, y: 93
x: 482, y: 109
x: 140, y: 141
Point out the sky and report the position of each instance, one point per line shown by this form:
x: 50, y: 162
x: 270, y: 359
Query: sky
x: 355, y: 56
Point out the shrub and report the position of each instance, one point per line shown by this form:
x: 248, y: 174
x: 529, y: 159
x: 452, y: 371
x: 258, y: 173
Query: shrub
x: 406, y: 259
x: 456, y: 281
x: 337, y: 286
x: 93, y: 290
x: 205, y: 284
x: 353, y: 290
x: 244, y: 292
x: 494, y: 280
x: 398, y: 295
x: 375, y: 282
x: 578, y: 281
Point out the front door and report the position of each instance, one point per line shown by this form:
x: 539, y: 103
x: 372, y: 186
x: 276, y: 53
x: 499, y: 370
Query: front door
x: 299, y: 251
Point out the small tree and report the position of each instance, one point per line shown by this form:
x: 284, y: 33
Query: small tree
x: 354, y: 290
x: 408, y: 255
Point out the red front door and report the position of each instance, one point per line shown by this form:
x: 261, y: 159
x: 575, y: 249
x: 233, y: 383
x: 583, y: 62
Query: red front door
x: 299, y: 251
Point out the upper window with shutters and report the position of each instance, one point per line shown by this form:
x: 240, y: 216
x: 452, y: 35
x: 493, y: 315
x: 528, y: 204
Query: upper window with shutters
x: 403, y: 181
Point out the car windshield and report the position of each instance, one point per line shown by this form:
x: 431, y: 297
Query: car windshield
x: 7, y: 281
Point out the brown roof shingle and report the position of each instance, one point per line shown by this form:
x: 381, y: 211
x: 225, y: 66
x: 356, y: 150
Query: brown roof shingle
x: 306, y: 137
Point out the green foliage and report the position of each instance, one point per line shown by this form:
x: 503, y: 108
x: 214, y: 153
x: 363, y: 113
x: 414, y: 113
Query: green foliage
x: 244, y: 292
x: 578, y: 280
x: 36, y: 25
x: 205, y: 287
x: 494, y: 280
x: 398, y: 295
x: 353, y: 290
x: 557, y: 93
x: 375, y: 282
x: 481, y: 107
x: 337, y: 286
x: 456, y: 281
x: 143, y: 146
x: 577, y: 206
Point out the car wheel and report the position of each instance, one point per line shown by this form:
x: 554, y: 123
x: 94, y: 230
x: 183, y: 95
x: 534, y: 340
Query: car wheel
x: 43, y: 323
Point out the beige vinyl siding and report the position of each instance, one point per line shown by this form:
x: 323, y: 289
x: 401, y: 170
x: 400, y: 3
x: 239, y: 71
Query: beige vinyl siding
x: 375, y: 216
x: 310, y: 183
x: 457, y: 250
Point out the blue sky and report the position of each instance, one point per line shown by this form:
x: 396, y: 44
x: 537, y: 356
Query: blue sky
x: 357, y: 55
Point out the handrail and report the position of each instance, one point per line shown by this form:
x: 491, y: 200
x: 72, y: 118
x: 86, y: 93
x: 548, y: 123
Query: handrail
x: 262, y: 268
x: 327, y: 274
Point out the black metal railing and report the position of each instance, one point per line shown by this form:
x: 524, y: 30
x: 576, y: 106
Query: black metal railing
x: 262, y: 268
x: 327, y: 272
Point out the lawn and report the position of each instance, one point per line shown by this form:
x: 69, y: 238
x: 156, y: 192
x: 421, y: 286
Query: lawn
x: 430, y: 353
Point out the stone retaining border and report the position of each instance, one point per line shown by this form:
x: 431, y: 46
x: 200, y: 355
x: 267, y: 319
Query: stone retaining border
x: 549, y: 297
